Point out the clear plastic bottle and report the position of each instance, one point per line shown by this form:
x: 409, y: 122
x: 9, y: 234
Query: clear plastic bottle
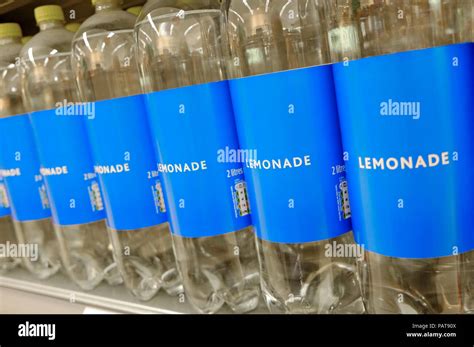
x: 297, y: 277
x: 105, y: 68
x: 10, y: 36
x: 180, y: 45
x: 30, y: 213
x: 48, y: 82
x: 404, y: 284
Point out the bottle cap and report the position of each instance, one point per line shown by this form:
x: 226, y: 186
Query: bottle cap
x: 72, y: 27
x: 10, y: 30
x: 49, y: 12
x: 135, y: 10
x: 95, y: 2
x: 25, y: 39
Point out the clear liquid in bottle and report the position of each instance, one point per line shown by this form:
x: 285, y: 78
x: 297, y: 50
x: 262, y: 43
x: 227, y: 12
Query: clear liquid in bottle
x: 10, y: 104
x: 47, y: 82
x: 394, y: 285
x: 105, y: 68
x: 186, y: 50
x: 270, y: 38
x: 37, y: 233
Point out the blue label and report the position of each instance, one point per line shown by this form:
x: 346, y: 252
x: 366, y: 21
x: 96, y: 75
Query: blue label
x: 67, y: 167
x: 193, y: 127
x: 407, y: 126
x: 297, y: 183
x: 126, y: 163
x: 4, y: 202
x: 20, y: 168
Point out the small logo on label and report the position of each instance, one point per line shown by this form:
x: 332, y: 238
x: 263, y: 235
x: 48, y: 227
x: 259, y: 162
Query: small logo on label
x: 44, y: 197
x: 96, y: 197
x: 342, y: 197
x: 241, y: 198
x: 4, y: 203
x: 346, y: 206
x: 159, y: 197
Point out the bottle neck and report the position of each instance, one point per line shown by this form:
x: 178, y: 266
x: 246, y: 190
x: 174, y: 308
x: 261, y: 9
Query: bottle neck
x: 9, y: 40
x: 50, y: 24
x: 107, y: 5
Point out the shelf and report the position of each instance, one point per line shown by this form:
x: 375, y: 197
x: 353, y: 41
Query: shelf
x: 115, y: 299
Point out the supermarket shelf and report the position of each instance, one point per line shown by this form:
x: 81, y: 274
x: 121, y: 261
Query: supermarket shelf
x: 116, y: 299
x: 13, y: 301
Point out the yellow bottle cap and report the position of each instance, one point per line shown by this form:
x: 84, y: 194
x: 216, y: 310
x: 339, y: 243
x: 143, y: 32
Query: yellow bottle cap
x: 25, y: 39
x: 135, y: 10
x: 10, y: 30
x: 73, y: 27
x: 94, y: 2
x: 49, y: 12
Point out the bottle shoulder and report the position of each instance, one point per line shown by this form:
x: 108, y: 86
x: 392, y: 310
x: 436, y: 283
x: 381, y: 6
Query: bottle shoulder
x: 107, y: 21
x: 156, y: 8
x: 9, y: 53
x: 52, y: 41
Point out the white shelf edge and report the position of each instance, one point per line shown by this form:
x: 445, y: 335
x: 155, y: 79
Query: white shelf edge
x: 81, y: 297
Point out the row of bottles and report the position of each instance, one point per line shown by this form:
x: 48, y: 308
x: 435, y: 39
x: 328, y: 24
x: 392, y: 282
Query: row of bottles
x: 124, y: 119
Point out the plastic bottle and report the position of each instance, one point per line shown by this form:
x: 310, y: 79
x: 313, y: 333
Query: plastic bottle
x: 180, y: 57
x: 10, y: 35
x: 301, y: 211
x: 77, y: 205
x: 400, y: 113
x: 20, y: 167
x: 106, y: 72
